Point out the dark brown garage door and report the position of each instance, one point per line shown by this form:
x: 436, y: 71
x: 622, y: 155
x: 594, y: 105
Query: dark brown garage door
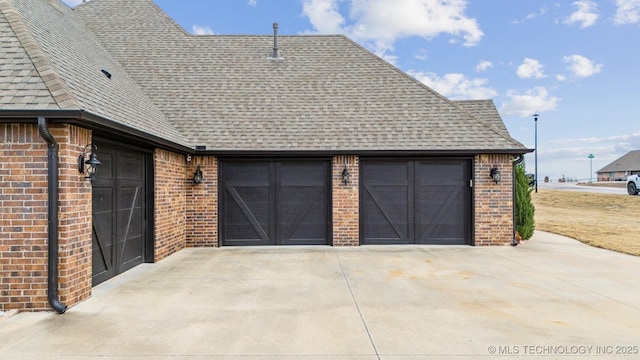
x: 119, y: 211
x: 274, y: 202
x: 415, y: 202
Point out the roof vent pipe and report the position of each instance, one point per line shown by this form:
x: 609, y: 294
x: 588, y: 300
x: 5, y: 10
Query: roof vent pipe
x: 275, y: 55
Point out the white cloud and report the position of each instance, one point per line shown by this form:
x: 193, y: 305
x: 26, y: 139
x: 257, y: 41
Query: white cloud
x: 456, y: 86
x: 483, y: 65
x: 581, y: 66
x: 625, y: 141
x: 628, y: 12
x: 253, y: 3
x: 530, y: 102
x: 530, y: 68
x: 324, y: 15
x: 380, y: 23
x: 541, y: 12
x: 202, y: 30
x: 586, y: 13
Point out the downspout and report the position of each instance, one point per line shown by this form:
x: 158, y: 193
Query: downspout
x: 52, y: 158
x: 517, y: 160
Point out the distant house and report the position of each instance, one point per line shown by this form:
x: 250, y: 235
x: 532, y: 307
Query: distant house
x: 208, y: 141
x: 620, y: 168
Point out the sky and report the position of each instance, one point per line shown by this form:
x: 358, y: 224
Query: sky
x: 574, y: 63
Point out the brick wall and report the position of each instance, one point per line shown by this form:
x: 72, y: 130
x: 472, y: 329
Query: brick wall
x: 24, y: 214
x: 202, y: 203
x: 608, y: 176
x: 493, y: 202
x: 170, y: 203
x: 74, y: 217
x: 185, y: 214
x: 23, y: 218
x: 346, y: 199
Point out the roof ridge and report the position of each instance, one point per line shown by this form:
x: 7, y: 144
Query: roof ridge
x: 155, y: 6
x: 47, y: 72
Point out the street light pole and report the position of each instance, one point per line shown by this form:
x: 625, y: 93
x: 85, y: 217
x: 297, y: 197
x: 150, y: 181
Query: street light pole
x: 535, y: 119
x: 590, y: 166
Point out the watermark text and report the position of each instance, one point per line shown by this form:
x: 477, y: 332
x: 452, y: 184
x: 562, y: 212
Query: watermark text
x: 567, y: 350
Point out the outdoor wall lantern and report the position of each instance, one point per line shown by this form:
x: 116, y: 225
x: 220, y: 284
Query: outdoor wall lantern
x: 494, y: 174
x: 197, y: 176
x: 345, y: 175
x: 88, y: 166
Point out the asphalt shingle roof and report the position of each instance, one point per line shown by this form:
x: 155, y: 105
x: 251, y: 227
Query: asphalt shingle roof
x: 69, y: 61
x: 628, y: 162
x: 327, y: 94
x: 21, y: 87
x: 485, y: 110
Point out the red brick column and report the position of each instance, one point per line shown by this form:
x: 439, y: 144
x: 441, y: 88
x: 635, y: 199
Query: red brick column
x: 493, y: 202
x: 346, y: 200
x: 202, y: 203
x: 170, y: 203
x: 75, y: 216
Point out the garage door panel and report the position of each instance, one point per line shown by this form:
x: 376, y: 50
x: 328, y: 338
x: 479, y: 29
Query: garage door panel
x: 102, y: 268
x: 130, y: 253
x: 130, y: 166
x: 301, y: 215
x: 447, y: 173
x: 441, y: 218
x: 386, y: 214
x: 301, y: 202
x: 129, y: 206
x: 119, y: 211
x: 441, y: 205
x: 415, y: 201
x: 247, y: 215
x: 274, y: 202
x: 384, y: 172
x: 107, y: 161
x: 102, y: 231
x: 247, y: 174
x: 130, y: 231
x: 301, y: 173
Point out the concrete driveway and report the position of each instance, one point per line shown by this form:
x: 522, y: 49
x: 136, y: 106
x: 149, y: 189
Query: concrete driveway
x: 552, y: 297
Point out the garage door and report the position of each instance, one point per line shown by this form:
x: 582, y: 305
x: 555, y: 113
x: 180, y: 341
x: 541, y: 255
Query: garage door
x: 415, y: 202
x: 274, y: 202
x: 119, y: 211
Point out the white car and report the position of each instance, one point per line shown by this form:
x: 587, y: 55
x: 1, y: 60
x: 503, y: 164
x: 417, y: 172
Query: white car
x: 633, y: 184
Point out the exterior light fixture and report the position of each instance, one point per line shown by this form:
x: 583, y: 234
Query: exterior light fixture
x: 88, y: 161
x: 197, y: 176
x: 494, y: 174
x: 345, y: 176
x: 345, y: 173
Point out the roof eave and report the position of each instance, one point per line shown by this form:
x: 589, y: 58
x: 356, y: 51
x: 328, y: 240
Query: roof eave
x: 364, y: 153
x: 89, y: 120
